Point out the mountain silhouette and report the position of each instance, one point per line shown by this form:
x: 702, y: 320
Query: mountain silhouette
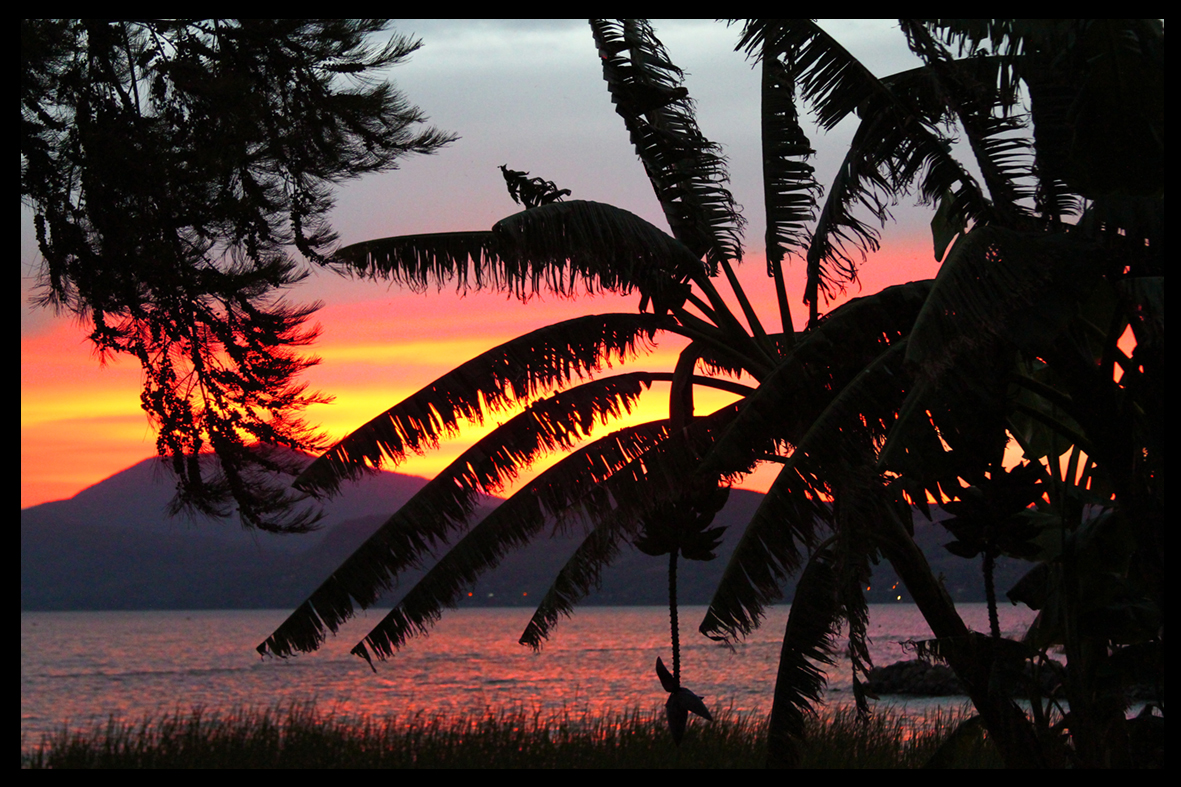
x: 113, y: 546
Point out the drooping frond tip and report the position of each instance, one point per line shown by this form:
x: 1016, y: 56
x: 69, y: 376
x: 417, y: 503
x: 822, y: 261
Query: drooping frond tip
x: 687, y: 171
x: 567, y: 489
x: 807, y: 648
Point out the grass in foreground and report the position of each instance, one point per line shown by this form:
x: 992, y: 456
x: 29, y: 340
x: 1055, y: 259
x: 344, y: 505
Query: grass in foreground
x: 302, y: 737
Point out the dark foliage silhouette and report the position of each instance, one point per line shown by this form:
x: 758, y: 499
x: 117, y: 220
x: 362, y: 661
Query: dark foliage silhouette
x: 888, y: 401
x: 171, y: 165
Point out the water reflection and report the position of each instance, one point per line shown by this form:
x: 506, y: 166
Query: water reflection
x: 82, y: 666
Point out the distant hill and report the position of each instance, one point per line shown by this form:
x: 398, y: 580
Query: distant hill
x: 112, y: 546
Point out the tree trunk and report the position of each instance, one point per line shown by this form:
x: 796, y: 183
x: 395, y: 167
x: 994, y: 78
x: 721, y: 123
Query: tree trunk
x: 672, y: 615
x: 994, y: 622
x: 970, y: 656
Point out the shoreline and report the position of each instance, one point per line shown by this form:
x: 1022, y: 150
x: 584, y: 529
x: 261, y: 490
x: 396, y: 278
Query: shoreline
x: 301, y: 735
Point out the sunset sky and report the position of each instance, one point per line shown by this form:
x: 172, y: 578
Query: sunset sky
x: 526, y: 94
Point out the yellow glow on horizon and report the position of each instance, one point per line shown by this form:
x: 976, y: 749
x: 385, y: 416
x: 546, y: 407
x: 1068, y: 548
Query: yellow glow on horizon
x: 413, y: 354
x: 652, y: 406
x: 374, y: 351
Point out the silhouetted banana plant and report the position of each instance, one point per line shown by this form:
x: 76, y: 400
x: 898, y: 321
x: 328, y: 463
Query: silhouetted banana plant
x: 682, y: 527
x: 884, y: 403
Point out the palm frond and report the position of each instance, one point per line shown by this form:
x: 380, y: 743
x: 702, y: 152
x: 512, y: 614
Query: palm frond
x: 826, y: 460
x: 561, y: 248
x: 1097, y: 102
x: 447, y: 502
x: 687, y: 171
x: 1041, y: 421
x: 983, y: 101
x: 1003, y: 36
x: 998, y: 291
x: 840, y: 233
x: 766, y: 555
x: 595, y: 244
x: 514, y: 372
x: 582, y: 573
x: 1052, y: 93
x: 1145, y: 296
x: 568, y: 489
x: 1026, y: 51
x: 803, y: 385
x: 419, y: 262
x: 860, y: 503
x: 663, y: 473
x: 830, y: 79
x: 896, y: 141
x: 1001, y: 283
x: 829, y: 409
x: 1002, y: 294
x: 790, y: 189
x: 808, y: 641
x: 891, y: 149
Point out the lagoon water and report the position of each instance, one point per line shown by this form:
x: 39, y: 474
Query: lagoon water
x: 81, y: 668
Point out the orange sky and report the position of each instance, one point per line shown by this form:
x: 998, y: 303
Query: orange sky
x: 81, y: 421
x: 526, y: 93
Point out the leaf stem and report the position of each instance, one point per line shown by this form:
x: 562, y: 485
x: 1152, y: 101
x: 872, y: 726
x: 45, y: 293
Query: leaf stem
x: 672, y: 615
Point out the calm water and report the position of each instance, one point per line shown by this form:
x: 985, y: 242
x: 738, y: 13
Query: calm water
x: 82, y: 667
